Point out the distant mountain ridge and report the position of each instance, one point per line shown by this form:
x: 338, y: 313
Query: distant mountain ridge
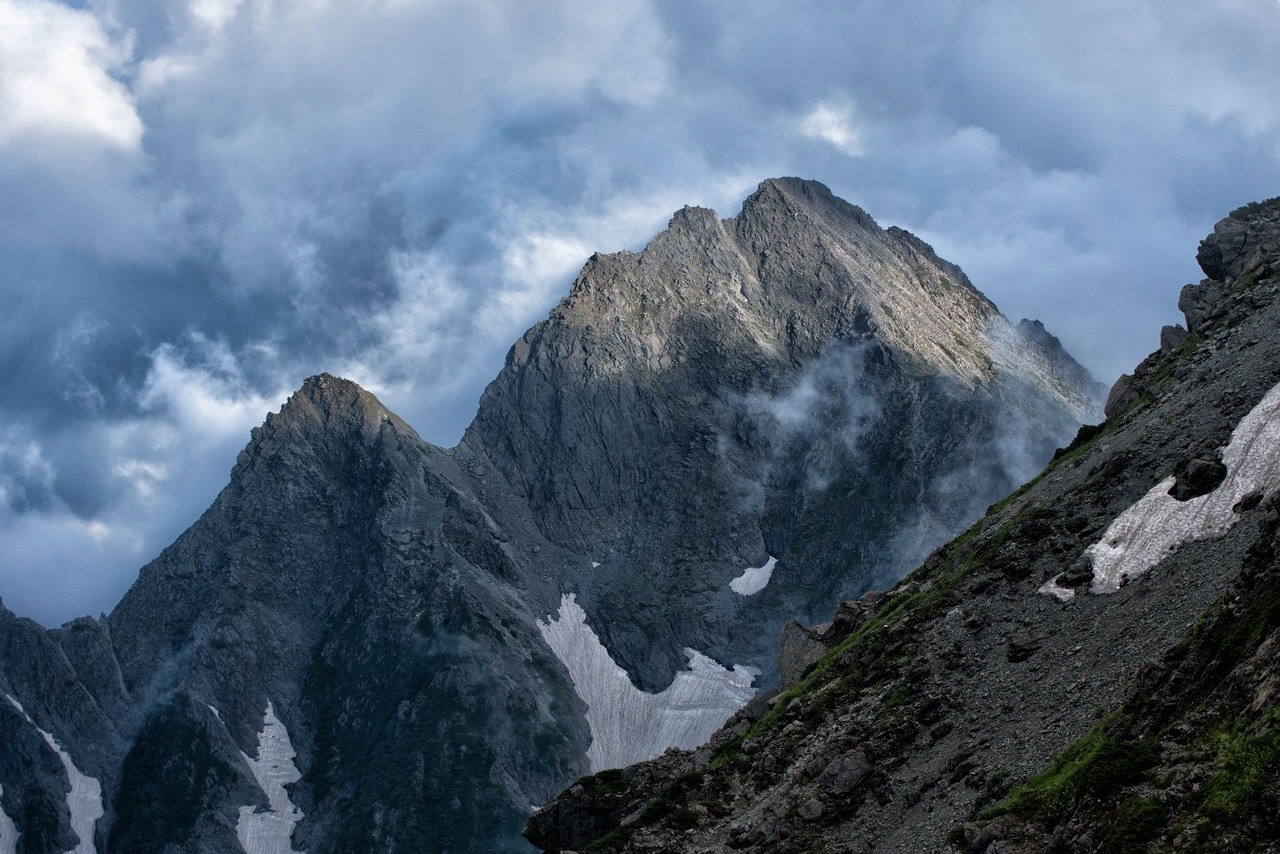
x: 370, y: 642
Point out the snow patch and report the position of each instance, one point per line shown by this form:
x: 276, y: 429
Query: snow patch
x: 217, y: 714
x: 1158, y: 523
x: 84, y: 801
x: 1057, y: 591
x: 754, y: 578
x: 8, y: 831
x: 595, y: 564
x: 629, y: 725
x: 271, y: 832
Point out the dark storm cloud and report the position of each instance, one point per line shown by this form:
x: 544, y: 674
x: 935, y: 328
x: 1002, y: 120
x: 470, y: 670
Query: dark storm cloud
x: 202, y: 203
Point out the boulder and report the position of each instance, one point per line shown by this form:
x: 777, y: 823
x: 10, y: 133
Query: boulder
x: 844, y: 773
x: 1171, y: 338
x: 1121, y: 396
x: 1197, y: 477
x: 798, y: 648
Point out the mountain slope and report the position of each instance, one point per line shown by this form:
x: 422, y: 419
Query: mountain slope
x: 370, y: 643
x: 793, y: 382
x: 650, y: 350
x: 1080, y: 594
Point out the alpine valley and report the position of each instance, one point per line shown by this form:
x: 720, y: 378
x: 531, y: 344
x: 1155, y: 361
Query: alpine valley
x: 372, y: 644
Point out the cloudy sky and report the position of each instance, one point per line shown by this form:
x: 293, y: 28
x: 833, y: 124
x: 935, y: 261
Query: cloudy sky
x: 202, y: 202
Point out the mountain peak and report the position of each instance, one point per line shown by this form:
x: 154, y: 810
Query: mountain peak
x: 338, y: 402
x: 325, y: 406
x: 797, y: 269
x: 692, y: 217
x: 803, y: 195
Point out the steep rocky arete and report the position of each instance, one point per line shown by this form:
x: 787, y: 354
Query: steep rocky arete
x: 371, y: 643
x: 1092, y: 667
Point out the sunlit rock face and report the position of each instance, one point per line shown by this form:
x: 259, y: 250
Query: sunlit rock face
x: 750, y: 420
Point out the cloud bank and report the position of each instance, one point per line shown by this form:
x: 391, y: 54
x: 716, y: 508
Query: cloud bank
x: 202, y: 203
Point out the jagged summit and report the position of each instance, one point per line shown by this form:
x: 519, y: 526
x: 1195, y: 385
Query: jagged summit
x: 756, y: 285
x: 324, y: 409
x: 806, y: 196
x: 798, y: 196
x: 335, y: 402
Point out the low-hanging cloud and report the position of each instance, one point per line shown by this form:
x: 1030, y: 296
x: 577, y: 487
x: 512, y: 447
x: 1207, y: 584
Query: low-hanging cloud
x: 803, y: 435
x: 220, y: 197
x: 988, y: 467
x: 86, y: 508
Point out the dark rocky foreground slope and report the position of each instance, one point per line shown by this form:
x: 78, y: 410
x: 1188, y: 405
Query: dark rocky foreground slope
x: 1091, y: 667
x: 369, y: 643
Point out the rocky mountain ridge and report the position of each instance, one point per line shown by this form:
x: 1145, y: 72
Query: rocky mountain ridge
x: 371, y: 643
x: 795, y: 271
x: 1091, y: 667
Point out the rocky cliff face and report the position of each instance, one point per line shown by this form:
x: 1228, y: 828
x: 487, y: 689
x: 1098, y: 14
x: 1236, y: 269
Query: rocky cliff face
x: 370, y: 643
x: 794, y: 382
x: 1091, y: 667
x: 662, y: 351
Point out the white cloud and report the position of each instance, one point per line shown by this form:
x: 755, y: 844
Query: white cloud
x: 155, y: 73
x: 56, y: 67
x: 214, y: 14
x: 24, y: 469
x: 163, y: 467
x: 834, y: 123
x: 201, y: 394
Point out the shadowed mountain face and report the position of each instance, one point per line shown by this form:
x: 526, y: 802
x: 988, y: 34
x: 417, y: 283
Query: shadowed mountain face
x: 1092, y: 667
x: 370, y: 643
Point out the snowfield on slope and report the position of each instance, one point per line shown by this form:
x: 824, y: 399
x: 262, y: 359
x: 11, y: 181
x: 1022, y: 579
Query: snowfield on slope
x: 271, y: 831
x: 629, y: 725
x: 754, y: 578
x: 8, y: 832
x: 84, y: 801
x: 1158, y: 524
